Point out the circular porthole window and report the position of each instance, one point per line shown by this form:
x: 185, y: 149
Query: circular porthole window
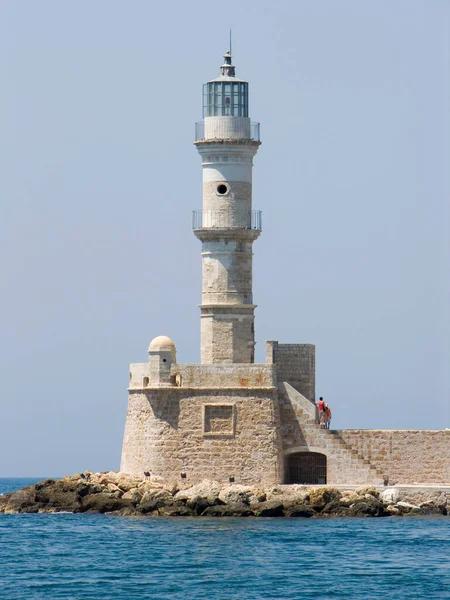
x: 222, y: 189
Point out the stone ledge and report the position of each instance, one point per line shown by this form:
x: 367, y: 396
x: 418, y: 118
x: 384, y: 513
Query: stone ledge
x: 226, y: 141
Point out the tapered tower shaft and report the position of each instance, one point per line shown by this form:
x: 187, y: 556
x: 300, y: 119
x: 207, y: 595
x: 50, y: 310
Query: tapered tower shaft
x: 227, y: 226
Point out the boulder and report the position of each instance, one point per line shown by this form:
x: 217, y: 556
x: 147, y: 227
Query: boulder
x: 393, y: 510
x: 85, y: 488
x: 4, y: 498
x: 154, y: 499
x: 134, y: 496
x: 22, y: 501
x: 236, y: 494
x: 237, y: 509
x: 45, y: 483
x: 298, y: 510
x: 106, y: 477
x: 148, y: 486
x: 217, y: 510
x: 112, y: 487
x: 172, y: 488
x: 390, y: 495
x: 348, y: 498
x: 257, y: 497
x: 102, y: 502
x: 125, y: 481
x: 430, y: 508
x: 175, y: 511
x: 269, y: 508
x: 320, y: 497
x: 368, y: 508
x: 127, y: 511
x: 289, y: 493
x: 423, y: 496
x: 335, y: 509
x: 207, y: 491
x: 368, y: 491
x: 406, y: 508
x: 57, y: 496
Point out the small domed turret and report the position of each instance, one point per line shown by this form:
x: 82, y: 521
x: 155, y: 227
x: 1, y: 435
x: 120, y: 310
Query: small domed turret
x: 162, y: 355
x: 162, y: 341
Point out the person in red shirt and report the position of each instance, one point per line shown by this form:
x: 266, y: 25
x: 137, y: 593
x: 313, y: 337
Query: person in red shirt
x: 321, y: 409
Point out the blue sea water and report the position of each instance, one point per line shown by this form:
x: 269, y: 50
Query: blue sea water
x: 93, y: 557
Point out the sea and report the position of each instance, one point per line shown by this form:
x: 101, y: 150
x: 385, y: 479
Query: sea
x: 93, y: 557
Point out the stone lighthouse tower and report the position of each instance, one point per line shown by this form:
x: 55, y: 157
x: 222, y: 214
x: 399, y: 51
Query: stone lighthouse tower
x: 227, y: 226
x: 230, y: 419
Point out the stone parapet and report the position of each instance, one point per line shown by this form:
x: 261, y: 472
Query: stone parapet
x: 404, y: 456
x: 225, y: 376
x: 207, y: 376
x: 139, y: 375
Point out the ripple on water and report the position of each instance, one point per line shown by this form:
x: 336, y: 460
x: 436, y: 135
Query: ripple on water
x: 88, y: 557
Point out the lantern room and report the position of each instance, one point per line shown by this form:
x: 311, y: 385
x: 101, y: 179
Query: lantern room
x: 226, y: 96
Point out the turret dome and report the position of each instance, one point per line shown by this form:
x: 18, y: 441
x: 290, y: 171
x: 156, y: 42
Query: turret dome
x: 161, y: 342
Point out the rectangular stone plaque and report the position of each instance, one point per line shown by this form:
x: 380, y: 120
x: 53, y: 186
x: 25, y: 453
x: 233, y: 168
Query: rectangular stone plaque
x: 218, y: 419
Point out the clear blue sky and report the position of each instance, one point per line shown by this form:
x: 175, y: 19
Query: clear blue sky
x: 98, y: 178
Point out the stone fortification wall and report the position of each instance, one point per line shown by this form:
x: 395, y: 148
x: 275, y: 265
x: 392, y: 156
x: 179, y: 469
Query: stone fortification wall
x: 295, y: 364
x: 139, y: 375
x: 203, y: 434
x: 405, y: 457
x: 225, y: 375
x: 301, y: 433
x: 222, y: 376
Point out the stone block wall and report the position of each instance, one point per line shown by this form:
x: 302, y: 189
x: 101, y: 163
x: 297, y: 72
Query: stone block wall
x: 227, y: 335
x: 295, y: 364
x: 213, y: 434
x: 139, y: 375
x: 405, y: 457
x: 225, y: 376
x: 301, y: 433
x: 242, y: 421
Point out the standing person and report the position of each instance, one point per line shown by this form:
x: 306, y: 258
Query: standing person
x: 327, y: 416
x: 321, y: 408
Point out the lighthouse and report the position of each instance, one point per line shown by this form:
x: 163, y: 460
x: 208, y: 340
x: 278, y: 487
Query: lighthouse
x: 228, y: 418
x: 227, y: 226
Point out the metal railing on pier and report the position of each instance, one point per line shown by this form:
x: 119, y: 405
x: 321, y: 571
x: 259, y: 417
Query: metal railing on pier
x: 218, y: 219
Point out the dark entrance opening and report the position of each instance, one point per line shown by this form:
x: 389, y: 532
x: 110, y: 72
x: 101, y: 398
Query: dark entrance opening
x: 306, y: 467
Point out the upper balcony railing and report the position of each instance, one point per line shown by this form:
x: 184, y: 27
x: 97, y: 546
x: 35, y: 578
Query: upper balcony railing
x: 217, y: 133
x: 217, y: 219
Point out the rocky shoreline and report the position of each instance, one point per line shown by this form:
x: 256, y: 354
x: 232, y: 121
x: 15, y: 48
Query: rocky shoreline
x: 131, y: 495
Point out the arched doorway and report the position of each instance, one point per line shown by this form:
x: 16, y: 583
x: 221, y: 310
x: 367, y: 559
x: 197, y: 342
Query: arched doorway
x: 306, y: 467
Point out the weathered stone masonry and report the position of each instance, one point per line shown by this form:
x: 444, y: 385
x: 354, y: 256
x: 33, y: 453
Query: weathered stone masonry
x: 229, y: 419
x: 213, y: 432
x: 406, y: 457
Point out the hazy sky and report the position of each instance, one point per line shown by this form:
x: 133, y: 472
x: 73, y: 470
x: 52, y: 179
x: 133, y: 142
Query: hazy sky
x: 98, y: 178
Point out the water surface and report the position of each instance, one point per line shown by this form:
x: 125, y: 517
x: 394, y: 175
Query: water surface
x: 92, y: 557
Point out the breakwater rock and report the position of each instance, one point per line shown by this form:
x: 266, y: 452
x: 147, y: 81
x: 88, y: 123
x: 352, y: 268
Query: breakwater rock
x: 125, y: 494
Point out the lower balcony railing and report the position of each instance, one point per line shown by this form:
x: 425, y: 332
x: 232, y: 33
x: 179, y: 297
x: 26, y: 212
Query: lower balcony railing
x: 217, y: 219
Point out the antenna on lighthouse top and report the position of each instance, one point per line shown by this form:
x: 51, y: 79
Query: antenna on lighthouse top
x: 227, y: 69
